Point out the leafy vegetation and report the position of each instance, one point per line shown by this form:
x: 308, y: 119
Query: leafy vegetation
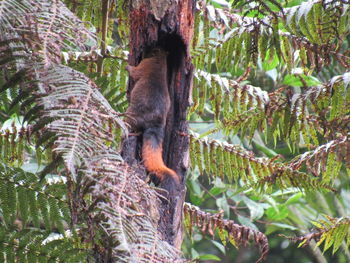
x: 269, y: 140
x: 270, y: 116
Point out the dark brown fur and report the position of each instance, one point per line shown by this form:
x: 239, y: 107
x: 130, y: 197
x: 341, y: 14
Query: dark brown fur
x: 149, y: 106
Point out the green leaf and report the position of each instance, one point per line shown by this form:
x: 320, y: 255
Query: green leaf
x: 195, y: 199
x: 222, y: 235
x: 271, y: 61
x: 23, y: 204
x: 269, y: 152
x: 284, y: 226
x: 217, y: 190
x: 293, y: 199
x: 256, y: 210
x: 220, y: 246
x: 277, y: 214
x: 294, y: 80
x: 341, y: 232
x: 209, y: 257
x: 222, y: 204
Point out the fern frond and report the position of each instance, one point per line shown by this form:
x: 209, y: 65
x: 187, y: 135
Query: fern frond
x: 11, y: 13
x: 238, y: 235
x: 69, y: 106
x: 326, y: 159
x: 232, y: 162
x: 244, y: 108
x: 314, y: 29
x: 74, y: 109
x: 48, y: 27
x: 36, y: 35
x: 36, y: 245
x: 112, y: 81
x: 12, y: 144
x: 28, y: 201
x: 90, y: 11
x: 79, y: 115
x: 229, y: 99
x: 264, y: 7
x: 333, y: 232
x: 318, y: 21
x: 32, y: 217
x: 132, y: 224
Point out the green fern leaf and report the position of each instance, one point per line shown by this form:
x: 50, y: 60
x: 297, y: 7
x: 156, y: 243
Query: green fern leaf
x: 43, y: 205
x: 340, y: 235
x: 33, y: 207
x: 12, y: 201
x: 23, y: 204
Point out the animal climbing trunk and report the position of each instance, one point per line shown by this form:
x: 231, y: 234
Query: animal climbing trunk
x: 168, y: 25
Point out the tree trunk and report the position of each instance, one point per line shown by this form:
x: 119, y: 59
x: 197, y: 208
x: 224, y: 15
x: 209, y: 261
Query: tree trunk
x: 167, y: 24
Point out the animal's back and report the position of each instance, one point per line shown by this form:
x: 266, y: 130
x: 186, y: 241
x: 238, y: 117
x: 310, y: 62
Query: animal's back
x: 149, y: 106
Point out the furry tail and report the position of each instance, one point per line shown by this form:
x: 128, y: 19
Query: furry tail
x: 152, y: 154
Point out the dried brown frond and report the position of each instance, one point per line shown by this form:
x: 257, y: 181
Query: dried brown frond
x: 237, y: 234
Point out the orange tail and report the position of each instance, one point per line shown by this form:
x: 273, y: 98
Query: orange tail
x: 153, y: 160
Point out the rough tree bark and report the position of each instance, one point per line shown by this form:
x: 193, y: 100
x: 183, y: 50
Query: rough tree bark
x: 168, y: 24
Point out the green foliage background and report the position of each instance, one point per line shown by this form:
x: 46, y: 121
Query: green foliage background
x: 281, y: 121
